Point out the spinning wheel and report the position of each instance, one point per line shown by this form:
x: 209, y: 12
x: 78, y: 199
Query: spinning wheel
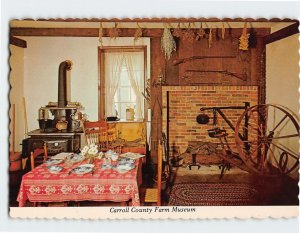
x: 271, y: 147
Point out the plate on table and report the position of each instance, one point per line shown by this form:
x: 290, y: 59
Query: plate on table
x: 131, y: 155
x: 123, y: 168
x: 75, y: 158
x: 83, y: 169
x: 50, y: 162
x: 125, y: 161
x: 62, y: 155
x: 54, y: 169
x: 106, y: 166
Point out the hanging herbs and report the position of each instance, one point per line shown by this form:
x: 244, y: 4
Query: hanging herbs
x: 177, y: 32
x: 188, y: 34
x: 101, y: 35
x: 114, y: 32
x: 223, y: 32
x: 210, y: 38
x: 201, y: 33
x: 168, y: 44
x: 138, y: 33
x: 244, y: 39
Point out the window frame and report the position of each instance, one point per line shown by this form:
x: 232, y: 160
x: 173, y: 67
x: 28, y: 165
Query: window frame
x: 101, y: 73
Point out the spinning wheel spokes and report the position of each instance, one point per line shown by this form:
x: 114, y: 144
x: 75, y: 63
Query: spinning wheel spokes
x: 271, y: 147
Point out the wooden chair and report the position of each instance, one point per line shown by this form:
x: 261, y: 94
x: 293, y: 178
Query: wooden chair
x: 112, y: 136
x: 96, y: 132
x: 37, y: 154
x: 154, y: 194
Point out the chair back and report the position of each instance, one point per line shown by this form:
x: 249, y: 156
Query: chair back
x: 38, y: 156
x: 96, y: 132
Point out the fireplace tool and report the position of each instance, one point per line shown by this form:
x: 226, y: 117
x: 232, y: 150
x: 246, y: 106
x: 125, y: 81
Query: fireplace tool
x: 221, y: 134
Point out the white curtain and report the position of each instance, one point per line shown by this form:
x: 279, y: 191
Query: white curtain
x: 113, y: 67
x: 134, y: 62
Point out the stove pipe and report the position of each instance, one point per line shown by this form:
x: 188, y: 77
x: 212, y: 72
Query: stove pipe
x: 62, y: 82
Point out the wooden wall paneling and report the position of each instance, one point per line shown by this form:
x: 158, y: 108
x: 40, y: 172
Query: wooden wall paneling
x: 255, y: 63
x: 171, y: 71
x: 244, y: 63
x: 157, y: 63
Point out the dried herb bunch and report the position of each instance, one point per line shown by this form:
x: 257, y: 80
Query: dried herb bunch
x: 210, y: 39
x: 138, y: 33
x: 177, y: 32
x: 168, y: 44
x: 223, y: 32
x: 114, y: 32
x: 244, y: 39
x: 188, y: 34
x: 101, y: 35
x: 200, y: 34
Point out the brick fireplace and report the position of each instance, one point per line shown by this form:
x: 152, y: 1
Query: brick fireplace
x: 184, y: 106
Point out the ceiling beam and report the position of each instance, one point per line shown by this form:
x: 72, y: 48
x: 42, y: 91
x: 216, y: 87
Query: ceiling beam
x: 282, y: 33
x: 17, y: 42
x: 94, y: 32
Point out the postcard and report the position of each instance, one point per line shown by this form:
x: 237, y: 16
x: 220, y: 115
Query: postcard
x: 156, y: 118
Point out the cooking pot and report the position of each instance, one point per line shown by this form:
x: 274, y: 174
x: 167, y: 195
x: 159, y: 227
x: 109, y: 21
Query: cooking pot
x: 45, y: 124
x: 202, y: 119
x: 61, y: 125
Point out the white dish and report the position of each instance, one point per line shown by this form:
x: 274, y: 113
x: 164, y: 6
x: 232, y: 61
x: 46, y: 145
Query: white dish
x: 53, y: 162
x: 122, y: 168
x: 131, y: 155
x: 76, y: 158
x: 62, y: 155
x: 106, y: 166
x: 83, y: 169
x: 125, y: 161
x: 54, y: 169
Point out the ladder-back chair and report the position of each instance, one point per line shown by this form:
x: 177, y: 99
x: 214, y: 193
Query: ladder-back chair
x: 96, y: 132
x: 38, y: 156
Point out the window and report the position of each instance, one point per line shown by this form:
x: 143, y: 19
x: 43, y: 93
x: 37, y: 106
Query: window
x: 125, y: 96
x: 122, y: 81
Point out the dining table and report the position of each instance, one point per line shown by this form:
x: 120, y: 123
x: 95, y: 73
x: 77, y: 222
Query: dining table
x: 101, y: 184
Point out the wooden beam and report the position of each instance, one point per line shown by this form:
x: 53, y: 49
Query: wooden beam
x: 282, y: 33
x: 18, y: 42
x: 79, y: 32
x: 94, y: 32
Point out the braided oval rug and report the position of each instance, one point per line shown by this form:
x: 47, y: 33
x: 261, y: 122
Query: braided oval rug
x: 213, y: 194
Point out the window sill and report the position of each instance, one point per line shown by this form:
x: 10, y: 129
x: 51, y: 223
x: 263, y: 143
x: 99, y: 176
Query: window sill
x: 126, y: 121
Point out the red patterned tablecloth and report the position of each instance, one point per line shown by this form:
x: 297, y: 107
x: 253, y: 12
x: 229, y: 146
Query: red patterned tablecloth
x: 39, y: 185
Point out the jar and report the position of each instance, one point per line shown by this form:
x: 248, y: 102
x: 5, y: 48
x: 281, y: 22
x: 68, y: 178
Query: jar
x: 129, y: 114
